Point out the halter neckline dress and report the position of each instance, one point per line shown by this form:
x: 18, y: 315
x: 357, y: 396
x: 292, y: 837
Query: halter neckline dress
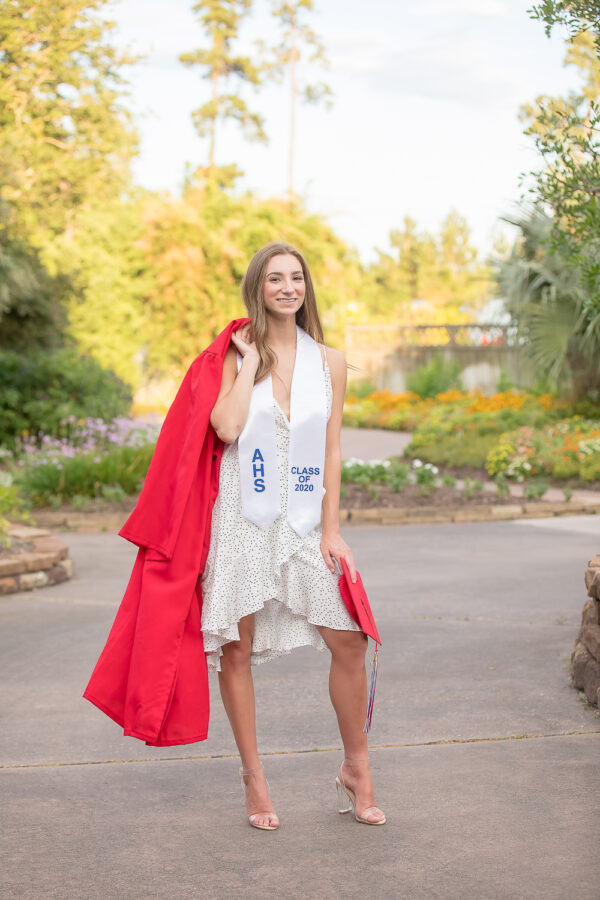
x: 274, y: 573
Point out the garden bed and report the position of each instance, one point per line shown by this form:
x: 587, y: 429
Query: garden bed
x: 356, y: 496
x: 473, y: 473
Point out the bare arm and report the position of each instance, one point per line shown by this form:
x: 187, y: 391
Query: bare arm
x: 230, y: 412
x: 332, y: 544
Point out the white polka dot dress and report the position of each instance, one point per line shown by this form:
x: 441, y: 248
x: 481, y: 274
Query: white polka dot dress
x: 274, y: 573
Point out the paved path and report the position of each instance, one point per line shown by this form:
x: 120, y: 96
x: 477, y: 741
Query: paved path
x: 373, y: 443
x: 485, y: 759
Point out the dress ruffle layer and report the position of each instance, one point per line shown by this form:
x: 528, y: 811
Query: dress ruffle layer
x: 274, y: 573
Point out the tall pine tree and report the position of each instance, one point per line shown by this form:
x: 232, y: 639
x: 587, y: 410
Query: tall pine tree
x: 220, y: 20
x: 297, y: 40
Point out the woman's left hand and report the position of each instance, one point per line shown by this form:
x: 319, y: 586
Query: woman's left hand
x: 333, y: 546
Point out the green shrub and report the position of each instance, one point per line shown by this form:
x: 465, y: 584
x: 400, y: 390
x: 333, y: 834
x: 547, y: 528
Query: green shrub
x: 398, y: 485
x: 86, y: 475
x: 587, y: 408
x: 439, y: 375
x: 468, y: 489
x: 455, y: 452
x: 454, y: 435
x: 535, y: 490
x: 361, y: 389
x: 505, y: 382
x: 400, y: 477
x: 80, y: 501
x: 361, y: 415
x: 11, y: 504
x: 590, y: 468
x: 114, y: 493
x: 502, y: 486
x: 39, y: 391
x: 563, y: 469
x: 402, y: 419
x: 374, y: 472
x: 425, y: 477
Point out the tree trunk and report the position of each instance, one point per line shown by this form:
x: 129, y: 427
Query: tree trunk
x: 293, y: 96
x: 211, y: 152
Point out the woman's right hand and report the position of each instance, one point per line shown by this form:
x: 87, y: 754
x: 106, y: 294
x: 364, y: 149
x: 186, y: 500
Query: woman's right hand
x: 241, y: 340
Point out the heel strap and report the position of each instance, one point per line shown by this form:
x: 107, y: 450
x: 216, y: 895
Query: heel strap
x: 251, y: 771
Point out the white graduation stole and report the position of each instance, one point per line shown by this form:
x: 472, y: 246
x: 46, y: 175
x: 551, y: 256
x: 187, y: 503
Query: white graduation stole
x: 257, y: 448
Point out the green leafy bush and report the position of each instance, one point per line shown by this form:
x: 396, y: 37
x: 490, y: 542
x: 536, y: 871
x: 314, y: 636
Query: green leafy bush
x: 456, y: 436
x: 437, y: 376
x: 535, y: 490
x: 361, y: 415
x: 38, y: 391
x: 590, y: 468
x: 361, y: 389
x: 89, y: 459
x: 375, y: 471
x: 569, y: 449
x: 425, y: 477
x: 87, y: 475
x: 502, y: 486
x: 11, y: 504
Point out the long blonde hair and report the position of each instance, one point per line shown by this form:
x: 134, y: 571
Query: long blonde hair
x: 307, y: 316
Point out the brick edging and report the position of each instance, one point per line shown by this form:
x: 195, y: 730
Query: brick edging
x: 476, y: 513
x: 47, y: 563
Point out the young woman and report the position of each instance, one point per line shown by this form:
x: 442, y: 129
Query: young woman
x: 270, y: 581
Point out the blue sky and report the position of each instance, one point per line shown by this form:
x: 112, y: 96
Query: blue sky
x: 425, y: 116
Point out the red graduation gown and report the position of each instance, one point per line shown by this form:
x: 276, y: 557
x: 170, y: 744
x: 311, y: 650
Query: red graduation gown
x: 151, y: 677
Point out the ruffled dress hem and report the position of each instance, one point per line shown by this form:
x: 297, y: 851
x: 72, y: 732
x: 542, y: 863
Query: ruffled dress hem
x: 272, y: 573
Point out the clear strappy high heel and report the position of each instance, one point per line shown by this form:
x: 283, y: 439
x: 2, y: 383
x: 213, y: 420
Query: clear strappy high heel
x: 261, y: 812
x: 347, y: 803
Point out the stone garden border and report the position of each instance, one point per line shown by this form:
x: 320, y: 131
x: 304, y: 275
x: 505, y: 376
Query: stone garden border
x: 113, y: 521
x: 46, y: 563
x: 585, y: 657
x: 475, y: 513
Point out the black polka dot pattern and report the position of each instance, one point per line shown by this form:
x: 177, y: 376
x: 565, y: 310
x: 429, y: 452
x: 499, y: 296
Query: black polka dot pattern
x: 274, y: 573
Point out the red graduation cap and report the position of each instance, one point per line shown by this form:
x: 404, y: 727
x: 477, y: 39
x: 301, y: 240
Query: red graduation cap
x: 357, y: 603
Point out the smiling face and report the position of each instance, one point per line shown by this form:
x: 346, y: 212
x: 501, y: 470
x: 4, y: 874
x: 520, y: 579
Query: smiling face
x: 284, y: 286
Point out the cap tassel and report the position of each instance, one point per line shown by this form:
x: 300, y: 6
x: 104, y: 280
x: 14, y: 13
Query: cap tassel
x: 373, y: 683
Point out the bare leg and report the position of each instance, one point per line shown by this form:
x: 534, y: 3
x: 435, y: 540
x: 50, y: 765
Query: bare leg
x: 237, y: 692
x: 348, y: 692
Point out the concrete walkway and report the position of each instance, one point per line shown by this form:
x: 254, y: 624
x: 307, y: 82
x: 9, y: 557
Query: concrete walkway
x: 373, y: 443
x: 485, y: 759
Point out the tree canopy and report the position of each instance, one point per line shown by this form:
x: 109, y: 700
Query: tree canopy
x: 220, y: 20
x: 65, y: 133
x: 442, y: 270
x: 140, y: 280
